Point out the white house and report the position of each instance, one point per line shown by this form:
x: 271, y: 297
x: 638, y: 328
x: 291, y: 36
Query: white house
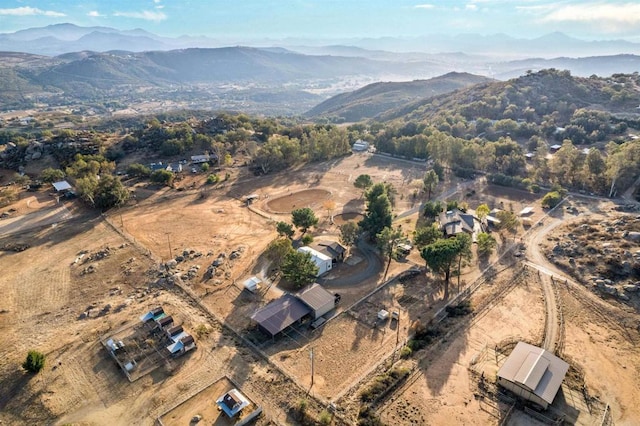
x: 322, y: 261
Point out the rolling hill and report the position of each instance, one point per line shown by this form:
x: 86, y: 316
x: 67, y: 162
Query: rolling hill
x: 529, y: 97
x: 373, y: 99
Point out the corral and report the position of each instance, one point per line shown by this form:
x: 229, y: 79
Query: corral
x: 202, y: 406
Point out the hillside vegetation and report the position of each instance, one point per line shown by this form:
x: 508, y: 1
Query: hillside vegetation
x: 375, y: 98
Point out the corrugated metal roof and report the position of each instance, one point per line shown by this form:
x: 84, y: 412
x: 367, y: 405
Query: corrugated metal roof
x: 280, y: 313
x: 315, y: 296
x: 536, y: 369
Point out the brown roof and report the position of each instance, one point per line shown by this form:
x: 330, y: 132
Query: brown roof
x: 175, y: 330
x: 164, y: 321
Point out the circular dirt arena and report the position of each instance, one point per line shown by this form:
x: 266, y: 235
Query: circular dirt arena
x: 342, y: 218
x: 312, y: 198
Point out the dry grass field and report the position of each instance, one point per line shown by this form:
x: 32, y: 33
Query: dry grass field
x: 84, y: 276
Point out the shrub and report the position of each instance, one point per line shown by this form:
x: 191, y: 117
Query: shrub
x: 34, y: 362
x: 205, y: 167
x: 405, y: 352
x: 368, y: 417
x: 213, y: 179
x: 325, y: 418
x: 464, y: 308
x: 162, y: 176
x: 307, y: 239
x: 551, y: 199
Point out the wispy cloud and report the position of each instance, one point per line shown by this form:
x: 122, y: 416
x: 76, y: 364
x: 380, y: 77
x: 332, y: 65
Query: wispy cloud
x: 147, y: 15
x: 609, y: 17
x: 424, y: 6
x: 471, y: 6
x: 29, y: 11
x: 94, y: 14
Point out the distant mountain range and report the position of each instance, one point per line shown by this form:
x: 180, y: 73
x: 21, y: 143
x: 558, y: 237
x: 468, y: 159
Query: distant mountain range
x: 375, y: 98
x: 57, y: 39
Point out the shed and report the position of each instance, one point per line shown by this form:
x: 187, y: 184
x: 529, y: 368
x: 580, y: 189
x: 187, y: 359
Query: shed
x: 526, y: 211
x: 280, y: 314
x: 232, y: 402
x: 533, y: 374
x: 332, y: 249
x: 318, y: 299
x: 61, y: 186
x: 322, y: 261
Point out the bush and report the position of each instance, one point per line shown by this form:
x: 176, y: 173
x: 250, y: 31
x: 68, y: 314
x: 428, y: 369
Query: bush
x: 382, y: 383
x: 213, y: 179
x: 205, y: 167
x: 464, y: 308
x: 551, y: 199
x: 368, y: 417
x: 162, y: 176
x: 405, y: 352
x: 34, y: 362
x: 307, y: 239
x: 325, y: 418
x: 138, y: 170
x: 50, y: 175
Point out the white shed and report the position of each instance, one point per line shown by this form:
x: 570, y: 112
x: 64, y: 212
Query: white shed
x: 252, y: 284
x: 318, y: 299
x: 322, y: 261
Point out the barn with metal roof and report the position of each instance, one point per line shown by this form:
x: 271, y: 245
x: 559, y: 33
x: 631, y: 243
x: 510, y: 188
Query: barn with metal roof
x: 280, y: 314
x: 318, y: 299
x: 533, y: 374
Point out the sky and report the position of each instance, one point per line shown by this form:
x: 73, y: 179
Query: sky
x: 335, y: 19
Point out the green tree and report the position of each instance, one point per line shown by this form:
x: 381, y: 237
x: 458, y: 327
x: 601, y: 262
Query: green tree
x: 138, y: 170
x: 551, y: 199
x: 486, y: 244
x: 482, y: 211
x: 464, y: 252
x: 508, y: 221
x: 378, y: 212
x: 387, y: 240
x: 164, y: 177
x: 430, y: 181
x: 441, y: 256
x: 284, y: 229
x: 304, y: 219
x: 432, y: 209
x: 363, y: 182
x: 298, y: 268
x: 426, y: 235
x: 34, y: 362
x: 51, y: 175
x: 277, y: 250
x: 205, y: 167
x: 110, y: 193
x: 349, y: 233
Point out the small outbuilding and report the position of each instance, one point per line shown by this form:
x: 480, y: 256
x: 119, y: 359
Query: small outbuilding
x: 332, y: 249
x: 279, y: 314
x: 62, y: 186
x: 232, y: 402
x: 252, y: 284
x: 533, y: 374
x: 322, y: 261
x: 318, y: 299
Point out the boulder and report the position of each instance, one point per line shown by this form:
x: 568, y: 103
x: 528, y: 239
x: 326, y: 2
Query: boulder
x: 633, y: 236
x: 630, y: 288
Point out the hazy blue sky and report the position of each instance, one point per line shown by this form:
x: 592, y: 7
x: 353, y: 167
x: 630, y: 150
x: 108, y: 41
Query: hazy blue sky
x: 250, y: 19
